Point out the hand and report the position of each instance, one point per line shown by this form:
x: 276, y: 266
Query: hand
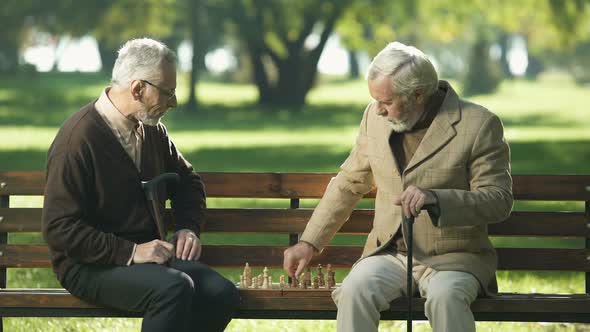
x: 156, y: 251
x: 413, y: 199
x: 188, y: 245
x: 297, y: 257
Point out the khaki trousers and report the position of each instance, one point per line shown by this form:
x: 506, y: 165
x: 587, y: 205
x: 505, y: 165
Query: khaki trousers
x: 377, y: 280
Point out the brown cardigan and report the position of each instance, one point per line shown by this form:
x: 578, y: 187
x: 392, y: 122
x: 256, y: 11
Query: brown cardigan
x: 94, y: 209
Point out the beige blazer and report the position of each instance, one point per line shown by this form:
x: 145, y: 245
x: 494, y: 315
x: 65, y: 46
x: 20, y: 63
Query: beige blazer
x: 463, y: 158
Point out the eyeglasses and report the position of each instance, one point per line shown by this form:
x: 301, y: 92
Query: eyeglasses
x: 167, y: 93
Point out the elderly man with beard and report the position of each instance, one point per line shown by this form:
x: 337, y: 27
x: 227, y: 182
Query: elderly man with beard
x: 104, y: 242
x: 421, y: 147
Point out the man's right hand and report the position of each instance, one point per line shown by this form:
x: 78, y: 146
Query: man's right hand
x: 156, y: 251
x: 297, y: 257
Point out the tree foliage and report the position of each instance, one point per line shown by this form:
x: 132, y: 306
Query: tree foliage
x: 285, y: 38
x: 278, y: 36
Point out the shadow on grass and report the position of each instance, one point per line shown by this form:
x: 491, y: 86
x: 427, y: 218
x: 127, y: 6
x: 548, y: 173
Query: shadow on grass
x: 527, y: 158
x: 46, y: 99
x: 50, y: 98
x: 538, y: 120
x: 253, y: 117
x: 23, y: 160
x: 291, y: 158
x: 570, y: 157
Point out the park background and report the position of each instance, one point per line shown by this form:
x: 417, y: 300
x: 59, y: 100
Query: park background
x: 277, y: 86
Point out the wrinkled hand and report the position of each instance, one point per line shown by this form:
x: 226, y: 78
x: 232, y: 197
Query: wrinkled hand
x: 156, y: 251
x: 188, y: 245
x: 413, y: 199
x: 297, y: 257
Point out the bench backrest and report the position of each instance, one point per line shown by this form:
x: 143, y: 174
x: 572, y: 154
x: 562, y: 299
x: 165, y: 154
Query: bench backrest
x: 573, y: 226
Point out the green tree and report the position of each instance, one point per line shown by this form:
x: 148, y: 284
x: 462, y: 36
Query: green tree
x: 13, y: 21
x: 484, y: 75
x: 275, y: 35
x: 20, y: 17
x: 369, y: 25
x: 203, y: 23
x: 122, y: 20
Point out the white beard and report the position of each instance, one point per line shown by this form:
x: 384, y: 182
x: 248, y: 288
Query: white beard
x: 403, y: 125
x: 148, y: 119
x: 399, y: 127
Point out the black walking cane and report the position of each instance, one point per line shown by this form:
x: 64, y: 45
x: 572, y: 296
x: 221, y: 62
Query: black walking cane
x: 409, y: 277
x: 150, y: 190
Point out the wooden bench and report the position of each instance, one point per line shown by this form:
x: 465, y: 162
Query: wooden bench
x: 291, y: 220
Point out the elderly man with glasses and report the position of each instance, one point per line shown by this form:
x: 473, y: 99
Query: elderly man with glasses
x: 104, y: 239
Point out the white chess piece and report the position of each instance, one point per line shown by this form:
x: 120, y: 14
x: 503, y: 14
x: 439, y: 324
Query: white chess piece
x: 254, y: 283
x: 247, y: 275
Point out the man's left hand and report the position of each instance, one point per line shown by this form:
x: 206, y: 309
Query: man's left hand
x: 413, y: 199
x: 188, y: 245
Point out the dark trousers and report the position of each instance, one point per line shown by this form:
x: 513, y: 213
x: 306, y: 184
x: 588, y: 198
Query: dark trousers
x: 183, y: 296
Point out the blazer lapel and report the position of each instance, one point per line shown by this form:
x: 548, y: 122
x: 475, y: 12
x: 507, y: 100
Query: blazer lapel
x: 440, y: 132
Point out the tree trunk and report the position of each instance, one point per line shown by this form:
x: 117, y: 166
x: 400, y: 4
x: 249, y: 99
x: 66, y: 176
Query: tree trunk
x: 198, y: 54
x: 9, y: 54
x: 353, y: 64
x: 504, y: 41
x: 108, y: 56
x: 259, y: 75
x: 291, y: 89
x: 297, y: 69
x: 483, y: 74
x: 535, y: 64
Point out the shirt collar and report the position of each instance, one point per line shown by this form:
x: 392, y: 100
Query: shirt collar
x: 113, y: 116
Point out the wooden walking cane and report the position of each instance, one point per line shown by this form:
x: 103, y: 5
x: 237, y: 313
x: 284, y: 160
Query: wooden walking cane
x: 150, y: 189
x: 409, y: 277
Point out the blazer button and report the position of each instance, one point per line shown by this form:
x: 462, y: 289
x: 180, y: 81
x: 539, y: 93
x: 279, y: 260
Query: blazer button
x: 378, y: 243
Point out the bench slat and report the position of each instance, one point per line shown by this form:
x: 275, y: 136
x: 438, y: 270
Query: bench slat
x: 283, y: 302
x: 320, y: 299
x: 22, y: 182
x: 551, y: 224
x: 312, y: 185
x: 338, y: 256
x: 218, y: 220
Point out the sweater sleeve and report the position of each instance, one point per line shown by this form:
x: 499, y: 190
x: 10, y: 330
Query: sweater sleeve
x: 188, y: 196
x: 67, y: 206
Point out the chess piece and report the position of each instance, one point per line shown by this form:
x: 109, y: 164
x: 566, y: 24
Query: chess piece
x: 247, y: 275
x: 269, y: 282
x: 265, y: 284
x: 259, y: 281
x: 302, y: 283
x: 316, y: 282
x: 308, y: 277
x: 321, y: 279
x: 254, y: 283
x: 331, y: 277
x: 294, y: 282
x: 282, y: 281
x: 242, y: 283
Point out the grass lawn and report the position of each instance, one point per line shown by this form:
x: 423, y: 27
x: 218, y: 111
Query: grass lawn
x: 545, y: 121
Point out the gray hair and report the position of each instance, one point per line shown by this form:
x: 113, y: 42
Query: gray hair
x: 410, y: 69
x: 140, y: 59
